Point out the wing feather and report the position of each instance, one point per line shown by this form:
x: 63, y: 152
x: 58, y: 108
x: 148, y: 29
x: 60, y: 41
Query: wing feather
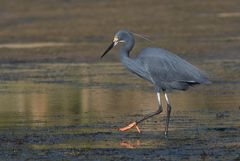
x: 169, y: 70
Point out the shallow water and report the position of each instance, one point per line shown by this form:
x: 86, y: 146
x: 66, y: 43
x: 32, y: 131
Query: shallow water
x: 67, y: 110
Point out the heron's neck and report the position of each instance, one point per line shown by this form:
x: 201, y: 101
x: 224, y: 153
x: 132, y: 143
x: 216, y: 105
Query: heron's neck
x: 126, y: 49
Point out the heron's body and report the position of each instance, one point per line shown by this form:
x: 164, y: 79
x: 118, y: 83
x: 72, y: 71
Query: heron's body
x: 165, y: 70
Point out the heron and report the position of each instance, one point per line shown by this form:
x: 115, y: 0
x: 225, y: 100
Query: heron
x: 164, y: 69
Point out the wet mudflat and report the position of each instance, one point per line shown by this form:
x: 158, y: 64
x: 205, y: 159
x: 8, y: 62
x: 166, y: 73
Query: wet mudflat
x: 71, y: 112
x: 59, y: 102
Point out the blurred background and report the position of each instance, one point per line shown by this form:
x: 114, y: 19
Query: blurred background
x: 71, y: 30
x: 51, y: 73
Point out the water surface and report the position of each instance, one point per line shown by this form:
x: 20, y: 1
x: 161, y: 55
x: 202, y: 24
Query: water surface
x: 76, y: 108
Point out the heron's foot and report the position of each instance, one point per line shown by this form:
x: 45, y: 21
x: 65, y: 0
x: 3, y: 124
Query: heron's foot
x: 131, y: 125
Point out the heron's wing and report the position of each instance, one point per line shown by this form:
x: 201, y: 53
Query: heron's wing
x: 163, y: 66
x: 136, y: 67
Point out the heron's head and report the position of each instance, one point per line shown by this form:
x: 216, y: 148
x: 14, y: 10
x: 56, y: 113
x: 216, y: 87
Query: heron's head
x: 120, y: 36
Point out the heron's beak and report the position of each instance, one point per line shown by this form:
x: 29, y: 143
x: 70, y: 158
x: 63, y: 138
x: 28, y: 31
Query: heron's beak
x: 114, y: 43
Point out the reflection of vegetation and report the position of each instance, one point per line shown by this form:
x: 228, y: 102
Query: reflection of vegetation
x: 46, y: 94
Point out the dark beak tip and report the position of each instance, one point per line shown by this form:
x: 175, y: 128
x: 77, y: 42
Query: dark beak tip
x: 108, y: 49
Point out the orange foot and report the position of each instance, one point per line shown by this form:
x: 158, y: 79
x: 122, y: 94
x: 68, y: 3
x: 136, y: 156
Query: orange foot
x: 132, y: 125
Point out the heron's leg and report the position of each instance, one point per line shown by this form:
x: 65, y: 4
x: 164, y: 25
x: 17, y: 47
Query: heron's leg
x: 134, y: 124
x: 168, y: 114
x: 155, y: 113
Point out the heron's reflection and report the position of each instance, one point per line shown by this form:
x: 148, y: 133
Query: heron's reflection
x: 131, y: 144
